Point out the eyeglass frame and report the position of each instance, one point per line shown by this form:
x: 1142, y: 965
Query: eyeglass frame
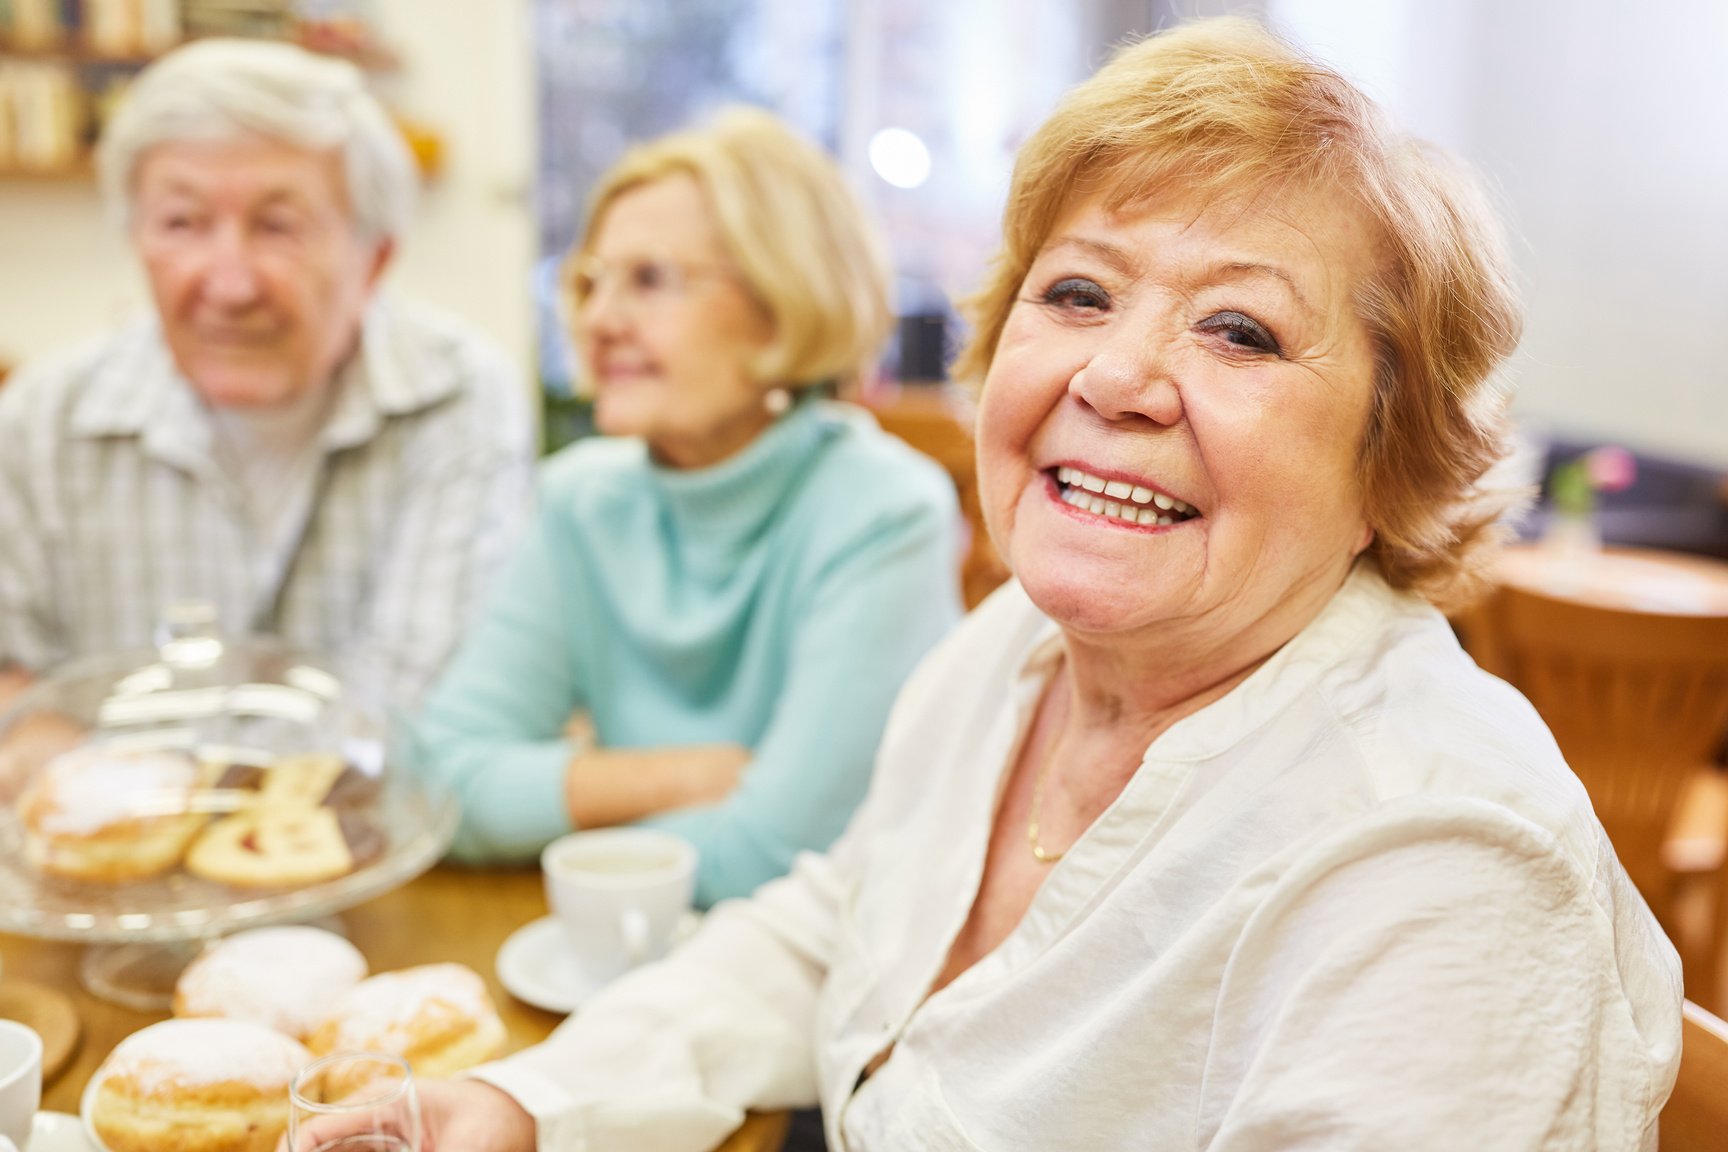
x: 631, y: 295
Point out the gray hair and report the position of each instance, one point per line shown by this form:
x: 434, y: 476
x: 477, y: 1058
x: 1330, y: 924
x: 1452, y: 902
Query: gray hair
x: 221, y: 89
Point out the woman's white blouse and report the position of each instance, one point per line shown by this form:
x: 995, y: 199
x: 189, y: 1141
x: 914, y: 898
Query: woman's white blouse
x: 1358, y: 903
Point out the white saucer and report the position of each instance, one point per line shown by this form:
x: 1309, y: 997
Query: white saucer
x: 533, y: 966
x: 59, y: 1132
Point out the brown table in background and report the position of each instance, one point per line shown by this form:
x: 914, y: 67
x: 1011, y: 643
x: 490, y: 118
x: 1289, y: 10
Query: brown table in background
x: 1634, y: 579
x: 447, y: 914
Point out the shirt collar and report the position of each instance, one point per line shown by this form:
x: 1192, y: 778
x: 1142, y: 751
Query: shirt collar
x: 140, y: 392
x: 1360, y: 607
x: 1361, y: 604
x: 137, y: 391
x: 390, y: 377
x: 1149, y: 802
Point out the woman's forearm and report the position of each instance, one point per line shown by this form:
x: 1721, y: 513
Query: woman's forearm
x: 620, y: 786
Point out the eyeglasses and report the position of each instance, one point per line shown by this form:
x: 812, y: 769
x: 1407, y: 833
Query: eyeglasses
x: 640, y: 284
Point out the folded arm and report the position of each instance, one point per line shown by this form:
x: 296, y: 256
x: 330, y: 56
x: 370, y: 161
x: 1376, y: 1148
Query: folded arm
x: 447, y: 544
x: 15, y: 680
x: 29, y: 637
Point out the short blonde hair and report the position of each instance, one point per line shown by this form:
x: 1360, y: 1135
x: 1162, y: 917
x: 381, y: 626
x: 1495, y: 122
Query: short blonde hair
x: 1223, y: 108
x: 219, y: 89
x: 799, y: 237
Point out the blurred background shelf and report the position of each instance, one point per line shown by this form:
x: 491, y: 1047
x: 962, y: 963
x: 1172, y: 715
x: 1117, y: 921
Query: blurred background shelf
x: 65, y: 64
x: 369, y: 57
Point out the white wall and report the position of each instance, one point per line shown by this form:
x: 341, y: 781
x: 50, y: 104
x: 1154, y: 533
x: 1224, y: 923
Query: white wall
x: 1600, y: 126
x: 65, y: 273
x: 1613, y: 154
x: 469, y: 72
x: 63, y: 270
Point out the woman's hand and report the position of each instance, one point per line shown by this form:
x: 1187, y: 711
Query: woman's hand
x: 621, y: 785
x: 455, y: 1116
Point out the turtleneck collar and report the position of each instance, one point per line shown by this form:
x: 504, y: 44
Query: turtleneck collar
x: 728, y: 503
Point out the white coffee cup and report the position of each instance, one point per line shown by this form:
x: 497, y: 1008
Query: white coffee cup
x: 20, y: 1080
x: 620, y: 893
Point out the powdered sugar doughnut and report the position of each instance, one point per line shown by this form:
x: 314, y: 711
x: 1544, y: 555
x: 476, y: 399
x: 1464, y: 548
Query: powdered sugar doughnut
x: 283, y: 978
x: 102, y: 815
x: 196, y: 1086
x: 438, y: 1017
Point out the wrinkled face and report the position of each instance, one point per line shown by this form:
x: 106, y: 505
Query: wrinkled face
x: 257, y: 272
x: 1169, y: 430
x: 666, y: 329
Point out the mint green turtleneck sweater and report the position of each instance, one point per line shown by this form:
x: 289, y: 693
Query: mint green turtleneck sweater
x: 776, y: 600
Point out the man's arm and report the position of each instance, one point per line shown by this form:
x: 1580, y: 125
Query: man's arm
x: 28, y: 743
x: 30, y: 638
x: 448, y: 542
x: 15, y: 679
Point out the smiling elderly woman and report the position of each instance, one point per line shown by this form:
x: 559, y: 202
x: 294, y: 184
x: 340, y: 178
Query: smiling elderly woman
x: 730, y: 585
x: 1204, y: 834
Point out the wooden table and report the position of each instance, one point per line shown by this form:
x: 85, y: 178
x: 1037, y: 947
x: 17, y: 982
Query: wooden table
x: 1635, y: 579
x: 447, y: 914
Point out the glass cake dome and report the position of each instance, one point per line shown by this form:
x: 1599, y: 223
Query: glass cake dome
x: 211, y: 783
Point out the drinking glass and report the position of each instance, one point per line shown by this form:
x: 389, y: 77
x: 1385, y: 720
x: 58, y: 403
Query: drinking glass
x: 354, y: 1102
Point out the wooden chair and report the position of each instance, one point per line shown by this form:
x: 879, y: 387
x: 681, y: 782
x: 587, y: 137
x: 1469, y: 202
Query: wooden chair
x: 760, y: 1132
x: 1696, y: 1117
x: 936, y: 421
x: 1638, y: 703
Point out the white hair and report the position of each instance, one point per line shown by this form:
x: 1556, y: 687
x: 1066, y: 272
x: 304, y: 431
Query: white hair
x: 222, y: 89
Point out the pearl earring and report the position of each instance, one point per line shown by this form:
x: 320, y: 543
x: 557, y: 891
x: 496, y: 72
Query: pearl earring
x: 777, y: 400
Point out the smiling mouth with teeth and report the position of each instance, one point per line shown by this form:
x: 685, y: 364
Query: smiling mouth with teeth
x: 1119, y: 500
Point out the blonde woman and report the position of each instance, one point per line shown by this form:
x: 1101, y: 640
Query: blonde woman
x: 1202, y: 834
x: 730, y: 585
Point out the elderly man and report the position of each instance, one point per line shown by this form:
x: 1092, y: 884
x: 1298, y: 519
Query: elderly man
x: 317, y: 463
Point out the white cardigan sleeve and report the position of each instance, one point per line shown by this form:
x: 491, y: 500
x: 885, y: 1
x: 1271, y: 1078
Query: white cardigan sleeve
x: 669, y: 1058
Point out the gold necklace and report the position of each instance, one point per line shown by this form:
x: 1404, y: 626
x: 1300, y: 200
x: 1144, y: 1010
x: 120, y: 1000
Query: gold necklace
x: 1038, y: 851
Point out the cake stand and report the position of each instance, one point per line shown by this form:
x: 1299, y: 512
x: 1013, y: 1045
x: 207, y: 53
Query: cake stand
x: 232, y: 707
x: 143, y: 933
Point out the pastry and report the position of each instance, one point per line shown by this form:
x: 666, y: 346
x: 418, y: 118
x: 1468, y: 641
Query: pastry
x: 283, y: 978
x: 438, y: 1017
x: 354, y: 789
x: 302, y: 781
x: 196, y: 1086
x: 266, y: 847
x: 240, y: 782
x: 109, y: 816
